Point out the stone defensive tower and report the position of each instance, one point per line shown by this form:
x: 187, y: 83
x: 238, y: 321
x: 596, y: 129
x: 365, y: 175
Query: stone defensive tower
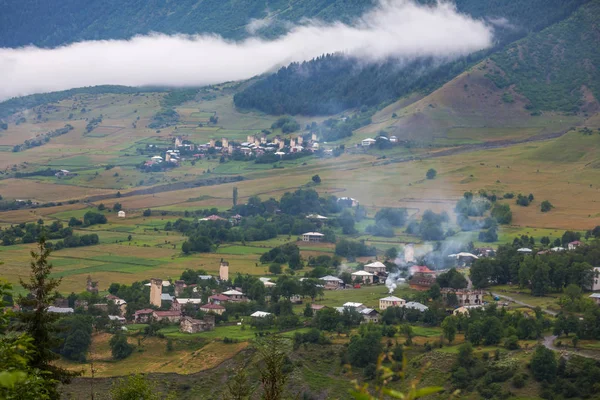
x: 224, y: 270
x: 155, y: 291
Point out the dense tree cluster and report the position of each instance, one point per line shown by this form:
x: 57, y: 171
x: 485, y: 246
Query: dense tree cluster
x: 32, y: 232
x: 542, y: 273
x: 431, y: 226
x: 164, y: 118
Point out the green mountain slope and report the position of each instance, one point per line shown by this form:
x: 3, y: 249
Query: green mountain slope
x: 559, y: 67
x: 44, y: 23
x: 336, y: 83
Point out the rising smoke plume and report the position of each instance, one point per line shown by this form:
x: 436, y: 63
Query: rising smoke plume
x: 395, y: 28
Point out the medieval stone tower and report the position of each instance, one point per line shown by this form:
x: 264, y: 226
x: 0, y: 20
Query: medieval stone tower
x: 224, y: 270
x: 155, y: 291
x: 179, y: 286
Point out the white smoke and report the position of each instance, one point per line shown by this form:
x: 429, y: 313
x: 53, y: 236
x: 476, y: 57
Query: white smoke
x: 395, y: 28
x: 393, y: 280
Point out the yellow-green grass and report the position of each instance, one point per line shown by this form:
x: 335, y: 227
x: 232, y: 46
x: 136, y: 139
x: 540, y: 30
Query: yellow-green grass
x: 524, y: 295
x: 368, y: 295
x: 186, y: 358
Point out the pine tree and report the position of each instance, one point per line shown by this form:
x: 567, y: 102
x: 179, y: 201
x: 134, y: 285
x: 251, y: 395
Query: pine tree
x: 35, y: 319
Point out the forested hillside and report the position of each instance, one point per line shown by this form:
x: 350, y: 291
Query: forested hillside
x: 48, y: 24
x: 558, y: 67
x: 330, y: 84
x: 333, y: 83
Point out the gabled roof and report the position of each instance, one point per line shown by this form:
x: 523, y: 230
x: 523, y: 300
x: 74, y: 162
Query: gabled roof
x: 211, y: 306
x: 260, y: 314
x: 524, y: 250
x: 167, y: 313
x: 205, y: 277
x: 420, y: 268
x: 60, y: 310
x: 362, y: 273
x: 312, y: 234
x: 391, y: 298
x: 191, y: 301
x: 233, y: 293
x: 368, y: 311
x: 166, y: 297
x: 595, y: 295
x: 331, y: 278
x: 376, y: 264
x: 353, y: 305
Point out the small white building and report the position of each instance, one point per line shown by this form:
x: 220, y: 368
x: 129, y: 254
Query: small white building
x: 312, y: 237
x: 391, y: 301
x: 524, y: 250
x: 260, y: 314
x: 235, y: 295
x: 355, y: 306
x: 369, y: 315
x: 367, y: 142
x: 332, y: 282
x: 595, y: 297
x: 121, y: 214
x: 363, y: 276
x: 574, y: 245
x: 376, y: 267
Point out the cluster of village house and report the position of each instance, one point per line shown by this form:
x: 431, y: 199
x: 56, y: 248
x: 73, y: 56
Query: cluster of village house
x: 372, y: 273
x: 254, y: 144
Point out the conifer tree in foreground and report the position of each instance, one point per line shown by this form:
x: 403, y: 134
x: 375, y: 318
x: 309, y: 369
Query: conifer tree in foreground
x: 35, y: 319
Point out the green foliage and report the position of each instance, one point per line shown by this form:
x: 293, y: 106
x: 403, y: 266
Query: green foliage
x: 395, y: 217
x: 548, y: 81
x: 502, y: 214
x: 18, y: 379
x: 119, y: 346
x: 546, y: 206
x: 287, y: 125
x: 543, y: 364
x: 42, y: 139
x: 452, y: 279
x: 364, y: 349
x: 350, y: 248
x: 431, y: 173
x: 35, y: 319
x: 164, y: 118
x: 178, y: 97
x: 134, y: 387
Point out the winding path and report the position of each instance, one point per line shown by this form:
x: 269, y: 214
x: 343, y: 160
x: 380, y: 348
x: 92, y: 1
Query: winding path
x: 548, y: 341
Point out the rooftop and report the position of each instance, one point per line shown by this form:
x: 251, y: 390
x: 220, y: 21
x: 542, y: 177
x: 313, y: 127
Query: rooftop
x: 312, y: 234
x: 362, y: 273
x: 260, y: 314
x: 211, y: 306
x: 391, y: 298
x: 233, y: 293
x: 376, y: 264
x: 353, y: 305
